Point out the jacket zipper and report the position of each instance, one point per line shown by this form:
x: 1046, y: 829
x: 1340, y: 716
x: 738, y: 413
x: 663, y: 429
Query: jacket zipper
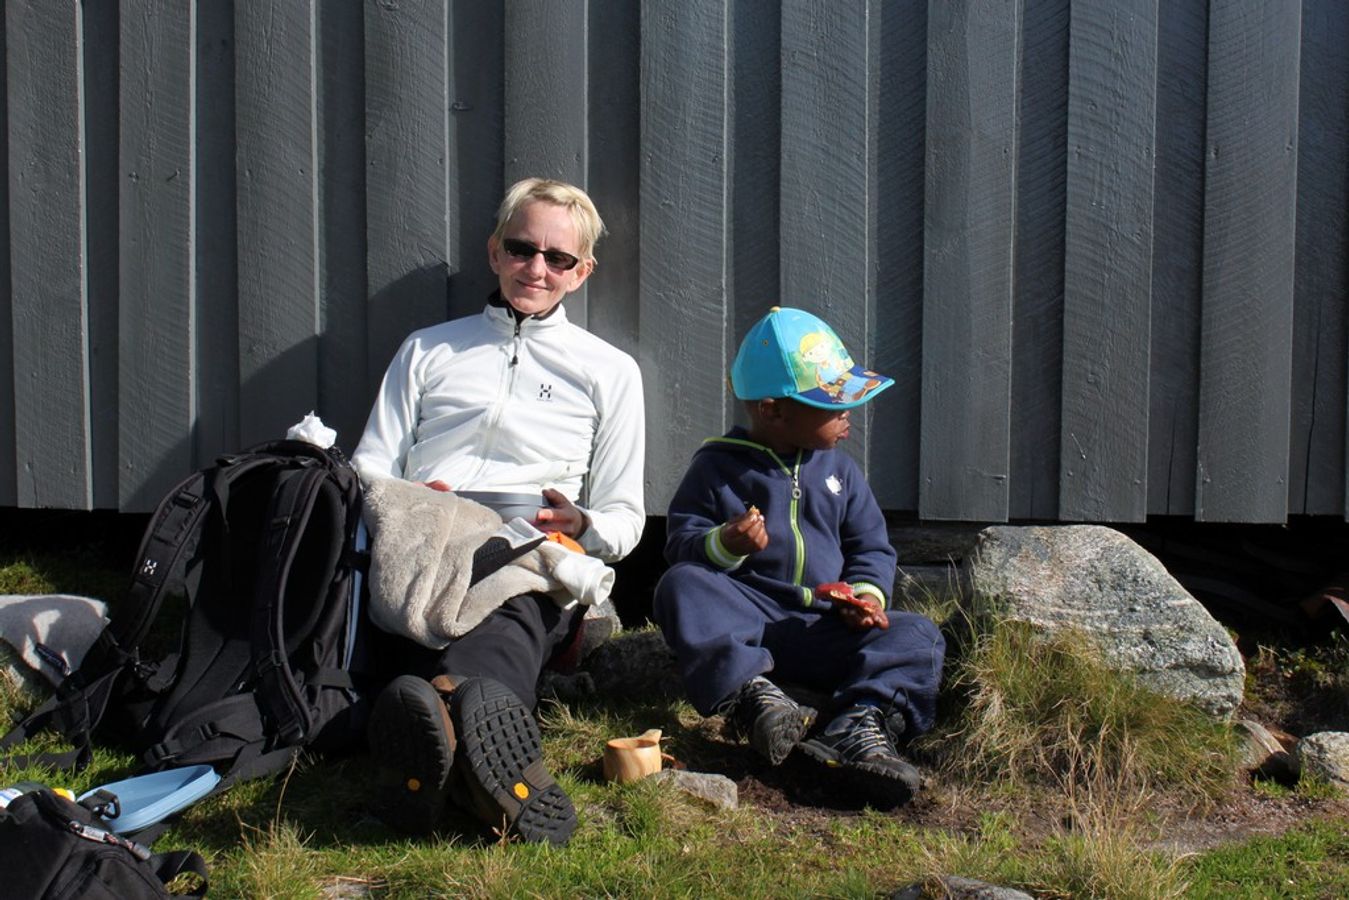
x: 504, y: 393
x: 793, y: 510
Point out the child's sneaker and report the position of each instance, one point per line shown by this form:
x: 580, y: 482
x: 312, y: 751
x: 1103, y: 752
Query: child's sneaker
x: 771, y: 720
x: 499, y: 773
x: 858, y: 743
x: 412, y: 745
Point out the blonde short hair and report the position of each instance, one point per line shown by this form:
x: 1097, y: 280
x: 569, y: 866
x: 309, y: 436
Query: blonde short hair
x: 589, y: 226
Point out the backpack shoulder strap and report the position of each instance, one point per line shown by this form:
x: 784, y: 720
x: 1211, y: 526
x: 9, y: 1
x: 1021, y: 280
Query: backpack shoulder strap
x: 289, y: 514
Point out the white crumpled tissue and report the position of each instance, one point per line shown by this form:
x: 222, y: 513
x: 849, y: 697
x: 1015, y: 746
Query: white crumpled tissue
x: 312, y: 429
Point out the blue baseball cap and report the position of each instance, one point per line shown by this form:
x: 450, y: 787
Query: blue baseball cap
x: 791, y: 353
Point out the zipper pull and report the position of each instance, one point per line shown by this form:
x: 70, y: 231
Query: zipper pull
x: 515, y: 344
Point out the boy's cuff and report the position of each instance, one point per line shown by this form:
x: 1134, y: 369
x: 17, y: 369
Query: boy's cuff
x: 717, y: 553
x: 866, y: 587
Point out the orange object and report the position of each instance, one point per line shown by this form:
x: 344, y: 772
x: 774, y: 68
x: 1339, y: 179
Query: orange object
x: 842, y: 593
x: 560, y: 538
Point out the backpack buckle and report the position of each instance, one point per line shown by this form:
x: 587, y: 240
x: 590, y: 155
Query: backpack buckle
x: 269, y: 662
x: 159, y: 754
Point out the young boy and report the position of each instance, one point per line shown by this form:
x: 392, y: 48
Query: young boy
x: 780, y: 565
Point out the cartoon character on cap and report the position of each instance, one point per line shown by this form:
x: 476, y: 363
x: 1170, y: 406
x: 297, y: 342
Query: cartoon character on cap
x: 834, y: 371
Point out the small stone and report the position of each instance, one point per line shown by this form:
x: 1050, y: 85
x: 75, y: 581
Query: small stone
x: 1264, y: 754
x: 953, y: 887
x: 1326, y: 755
x: 718, y: 790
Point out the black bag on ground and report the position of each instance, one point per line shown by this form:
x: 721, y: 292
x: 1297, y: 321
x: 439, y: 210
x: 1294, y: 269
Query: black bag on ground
x: 270, y: 657
x: 51, y: 847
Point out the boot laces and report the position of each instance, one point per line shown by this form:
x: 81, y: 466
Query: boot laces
x: 865, y: 735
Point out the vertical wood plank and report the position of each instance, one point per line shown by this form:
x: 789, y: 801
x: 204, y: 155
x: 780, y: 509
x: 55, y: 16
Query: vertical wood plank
x: 1249, y: 227
x: 614, y: 116
x: 47, y: 256
x: 1037, y: 281
x: 8, y: 473
x: 407, y: 109
x: 1108, y: 260
x: 157, y: 368
x: 1177, y: 257
x: 342, y: 376
x: 546, y: 102
x: 1321, y: 277
x: 99, y: 84
x: 972, y: 83
x: 215, y: 250
x: 477, y: 71
x: 276, y: 181
x: 755, y: 168
x: 828, y: 180
x: 901, y: 123
x: 683, y: 292
x: 546, y: 112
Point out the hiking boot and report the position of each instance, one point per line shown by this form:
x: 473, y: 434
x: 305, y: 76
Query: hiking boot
x: 412, y: 744
x: 858, y: 743
x: 499, y: 773
x: 771, y: 720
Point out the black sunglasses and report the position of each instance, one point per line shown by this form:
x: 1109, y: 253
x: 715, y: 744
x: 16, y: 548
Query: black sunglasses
x: 553, y: 259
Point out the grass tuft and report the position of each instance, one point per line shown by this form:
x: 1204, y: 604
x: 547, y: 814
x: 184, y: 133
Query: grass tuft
x: 1029, y: 709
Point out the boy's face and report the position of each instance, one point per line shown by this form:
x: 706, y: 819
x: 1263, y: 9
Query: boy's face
x: 808, y: 427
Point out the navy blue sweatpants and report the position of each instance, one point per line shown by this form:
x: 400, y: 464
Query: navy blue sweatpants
x: 724, y: 633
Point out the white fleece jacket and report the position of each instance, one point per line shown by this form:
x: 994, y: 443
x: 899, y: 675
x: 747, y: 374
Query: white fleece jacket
x: 488, y: 404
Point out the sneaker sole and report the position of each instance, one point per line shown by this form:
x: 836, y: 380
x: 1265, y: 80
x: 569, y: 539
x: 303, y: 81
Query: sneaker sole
x: 881, y: 786
x: 412, y: 745
x: 776, y: 743
x: 501, y: 753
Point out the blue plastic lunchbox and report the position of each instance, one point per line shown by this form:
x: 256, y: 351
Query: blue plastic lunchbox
x: 143, y: 800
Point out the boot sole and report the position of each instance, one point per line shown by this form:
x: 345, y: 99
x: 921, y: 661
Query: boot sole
x: 501, y: 753
x: 882, y: 787
x: 412, y: 746
x: 776, y: 743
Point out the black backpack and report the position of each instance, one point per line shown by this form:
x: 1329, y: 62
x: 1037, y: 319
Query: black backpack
x: 51, y: 847
x: 271, y: 655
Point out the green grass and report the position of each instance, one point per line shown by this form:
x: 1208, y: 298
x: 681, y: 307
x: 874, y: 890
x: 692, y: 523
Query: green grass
x: 1066, y: 760
x: 1311, y: 860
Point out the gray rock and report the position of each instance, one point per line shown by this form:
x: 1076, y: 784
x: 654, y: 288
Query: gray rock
x: 953, y: 887
x: 1093, y: 579
x: 1263, y: 753
x: 718, y: 790
x: 1325, y: 755
x: 601, y: 625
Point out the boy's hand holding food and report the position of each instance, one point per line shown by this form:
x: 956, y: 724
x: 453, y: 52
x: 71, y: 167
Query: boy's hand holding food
x: 745, y: 534
x: 858, y: 612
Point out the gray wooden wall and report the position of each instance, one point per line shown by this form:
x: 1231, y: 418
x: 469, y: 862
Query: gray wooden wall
x: 1100, y: 244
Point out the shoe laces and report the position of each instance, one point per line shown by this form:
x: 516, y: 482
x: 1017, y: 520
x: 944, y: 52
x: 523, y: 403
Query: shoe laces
x: 756, y: 697
x: 864, y: 735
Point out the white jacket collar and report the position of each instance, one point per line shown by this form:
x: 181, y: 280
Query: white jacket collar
x: 502, y: 318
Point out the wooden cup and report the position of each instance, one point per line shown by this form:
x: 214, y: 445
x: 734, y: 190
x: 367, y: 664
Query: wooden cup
x: 632, y: 758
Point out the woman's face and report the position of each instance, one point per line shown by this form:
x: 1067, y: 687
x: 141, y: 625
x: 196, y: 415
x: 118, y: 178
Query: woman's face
x: 528, y: 283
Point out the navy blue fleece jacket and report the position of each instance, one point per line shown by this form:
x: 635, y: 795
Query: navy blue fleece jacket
x: 823, y: 521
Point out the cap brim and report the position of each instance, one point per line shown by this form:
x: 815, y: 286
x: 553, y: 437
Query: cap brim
x: 853, y: 389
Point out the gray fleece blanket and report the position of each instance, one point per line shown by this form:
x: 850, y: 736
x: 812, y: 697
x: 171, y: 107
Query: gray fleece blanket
x: 421, y: 558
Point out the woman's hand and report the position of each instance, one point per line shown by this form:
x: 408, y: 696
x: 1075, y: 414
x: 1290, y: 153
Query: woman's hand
x: 745, y: 534
x: 561, y: 515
